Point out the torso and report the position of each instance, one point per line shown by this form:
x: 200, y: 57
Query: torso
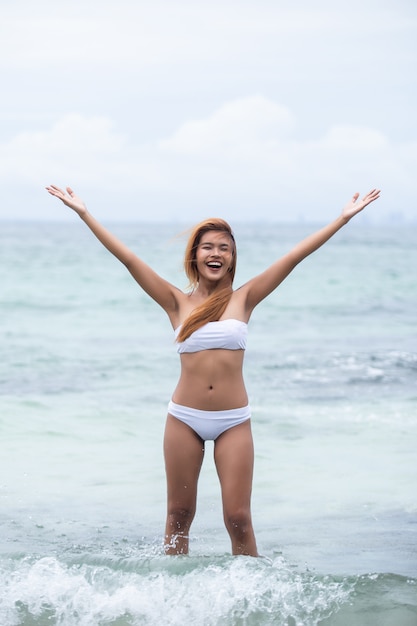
x: 212, y: 379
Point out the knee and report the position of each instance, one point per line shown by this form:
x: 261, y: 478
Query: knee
x: 180, y: 518
x: 238, y: 523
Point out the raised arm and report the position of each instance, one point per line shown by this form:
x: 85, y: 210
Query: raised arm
x: 262, y: 285
x: 165, y: 294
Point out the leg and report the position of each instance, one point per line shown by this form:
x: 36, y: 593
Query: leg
x: 184, y: 452
x: 233, y: 455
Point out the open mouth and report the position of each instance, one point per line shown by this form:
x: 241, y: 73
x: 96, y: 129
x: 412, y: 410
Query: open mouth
x: 215, y: 265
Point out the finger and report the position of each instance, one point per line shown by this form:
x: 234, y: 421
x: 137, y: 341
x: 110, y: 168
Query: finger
x: 53, y: 192
x: 56, y: 190
x: 372, y: 195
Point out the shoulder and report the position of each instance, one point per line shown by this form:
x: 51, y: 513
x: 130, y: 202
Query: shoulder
x: 236, y: 307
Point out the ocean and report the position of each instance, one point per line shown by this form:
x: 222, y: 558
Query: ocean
x: 87, y: 367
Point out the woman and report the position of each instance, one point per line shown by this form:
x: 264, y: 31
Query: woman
x: 210, y: 400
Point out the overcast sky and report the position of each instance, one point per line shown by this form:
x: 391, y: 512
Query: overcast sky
x: 181, y: 109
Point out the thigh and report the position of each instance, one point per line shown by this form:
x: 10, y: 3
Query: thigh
x: 234, y: 457
x: 184, y: 453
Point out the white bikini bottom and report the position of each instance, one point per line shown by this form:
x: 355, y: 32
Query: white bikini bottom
x: 209, y: 424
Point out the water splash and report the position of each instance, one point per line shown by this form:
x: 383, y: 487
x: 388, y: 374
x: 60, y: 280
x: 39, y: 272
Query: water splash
x: 164, y: 590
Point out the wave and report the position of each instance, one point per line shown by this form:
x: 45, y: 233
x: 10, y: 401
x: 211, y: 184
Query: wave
x: 152, y: 590
x: 166, y: 590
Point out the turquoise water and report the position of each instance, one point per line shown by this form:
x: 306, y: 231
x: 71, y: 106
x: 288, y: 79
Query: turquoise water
x: 88, y: 365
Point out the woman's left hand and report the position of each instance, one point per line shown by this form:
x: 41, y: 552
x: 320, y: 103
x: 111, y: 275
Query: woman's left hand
x: 354, y: 206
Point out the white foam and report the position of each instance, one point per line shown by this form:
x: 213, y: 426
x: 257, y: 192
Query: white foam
x: 168, y: 591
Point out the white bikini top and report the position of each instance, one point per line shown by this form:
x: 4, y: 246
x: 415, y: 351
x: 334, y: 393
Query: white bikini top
x: 227, y: 334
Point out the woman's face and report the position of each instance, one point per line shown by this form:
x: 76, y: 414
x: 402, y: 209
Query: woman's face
x: 214, y: 255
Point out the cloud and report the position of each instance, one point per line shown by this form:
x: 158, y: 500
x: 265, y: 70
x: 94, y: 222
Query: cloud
x: 76, y: 144
x: 249, y: 149
x: 237, y: 130
x: 246, y: 155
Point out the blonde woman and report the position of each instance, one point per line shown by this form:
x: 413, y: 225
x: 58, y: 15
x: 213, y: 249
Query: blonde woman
x: 210, y: 402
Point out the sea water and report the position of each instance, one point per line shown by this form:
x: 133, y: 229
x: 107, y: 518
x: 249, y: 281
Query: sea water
x: 87, y: 367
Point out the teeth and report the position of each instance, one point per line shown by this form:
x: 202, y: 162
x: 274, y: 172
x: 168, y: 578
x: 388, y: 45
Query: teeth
x: 214, y: 264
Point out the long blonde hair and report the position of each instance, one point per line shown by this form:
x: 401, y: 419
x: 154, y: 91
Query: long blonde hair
x: 213, y: 308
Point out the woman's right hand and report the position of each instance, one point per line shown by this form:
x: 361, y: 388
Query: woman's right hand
x: 70, y: 199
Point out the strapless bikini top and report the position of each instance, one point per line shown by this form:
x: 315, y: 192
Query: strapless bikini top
x: 227, y: 334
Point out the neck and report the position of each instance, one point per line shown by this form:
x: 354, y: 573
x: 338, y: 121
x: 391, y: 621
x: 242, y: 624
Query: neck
x: 205, y: 289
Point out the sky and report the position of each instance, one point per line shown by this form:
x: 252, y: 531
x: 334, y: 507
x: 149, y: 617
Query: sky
x: 178, y: 110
